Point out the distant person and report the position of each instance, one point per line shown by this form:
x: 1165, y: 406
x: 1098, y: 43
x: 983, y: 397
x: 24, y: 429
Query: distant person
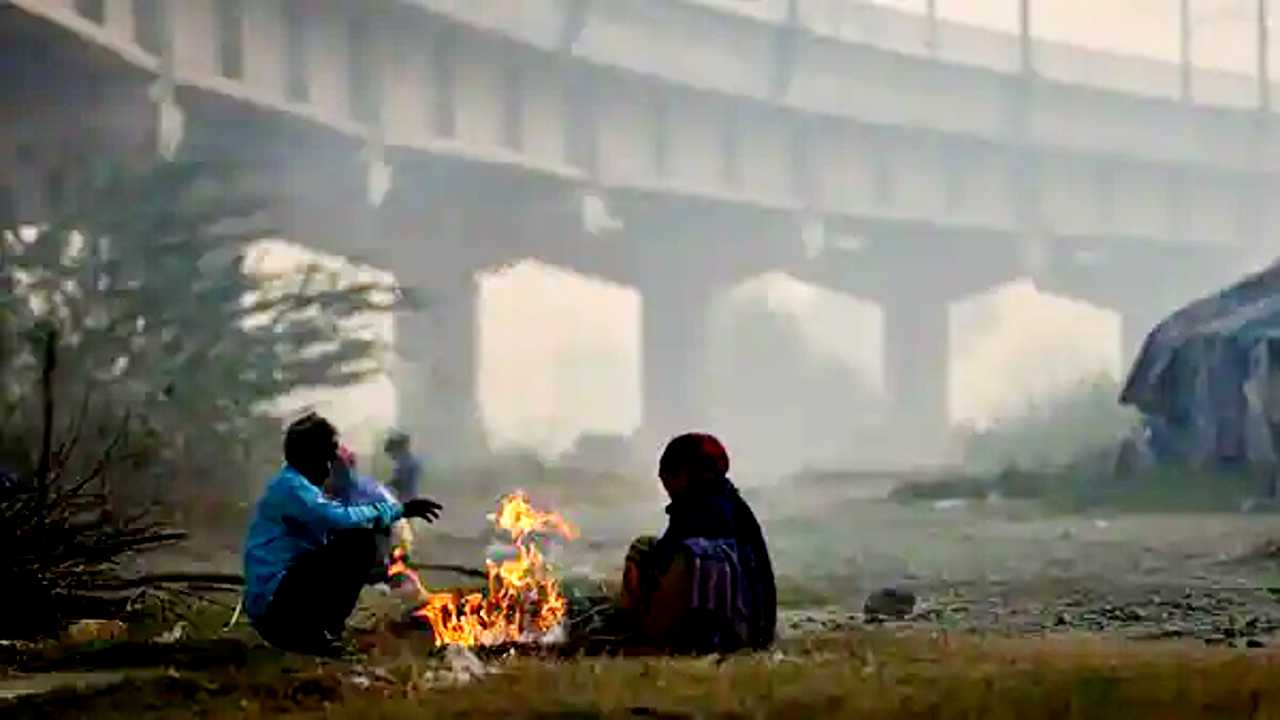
x: 707, y: 584
x: 307, y: 556
x: 10, y: 483
x: 406, y: 469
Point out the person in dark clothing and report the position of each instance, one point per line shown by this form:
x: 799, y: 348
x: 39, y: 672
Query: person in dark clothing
x: 10, y: 483
x: 406, y: 470
x: 707, y: 584
x: 306, y: 556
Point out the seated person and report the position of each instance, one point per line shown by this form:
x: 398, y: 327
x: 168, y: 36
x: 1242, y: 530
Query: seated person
x: 306, y: 557
x: 707, y: 584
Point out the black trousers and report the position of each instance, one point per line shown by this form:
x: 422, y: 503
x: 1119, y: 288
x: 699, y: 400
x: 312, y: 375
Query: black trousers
x: 318, y: 592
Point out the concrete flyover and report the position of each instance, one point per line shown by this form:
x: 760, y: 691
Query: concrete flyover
x: 442, y: 137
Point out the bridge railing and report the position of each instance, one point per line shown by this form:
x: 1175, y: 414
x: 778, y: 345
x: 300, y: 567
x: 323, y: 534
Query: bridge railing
x: 864, y: 23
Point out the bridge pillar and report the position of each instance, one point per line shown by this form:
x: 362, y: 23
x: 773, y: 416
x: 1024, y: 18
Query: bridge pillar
x: 675, y: 256
x: 674, y: 329
x: 917, y: 347
x: 423, y: 242
x: 436, y: 370
x: 433, y: 242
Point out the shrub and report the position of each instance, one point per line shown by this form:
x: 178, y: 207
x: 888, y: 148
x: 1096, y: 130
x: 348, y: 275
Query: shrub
x: 1076, y: 424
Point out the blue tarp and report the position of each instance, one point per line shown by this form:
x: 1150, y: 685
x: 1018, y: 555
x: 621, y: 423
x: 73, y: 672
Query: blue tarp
x: 1208, y: 376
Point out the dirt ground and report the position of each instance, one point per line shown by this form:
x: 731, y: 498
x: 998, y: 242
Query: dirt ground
x: 1079, y: 607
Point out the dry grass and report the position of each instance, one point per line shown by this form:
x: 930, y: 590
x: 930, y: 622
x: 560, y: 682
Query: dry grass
x: 866, y: 675
x: 882, y: 677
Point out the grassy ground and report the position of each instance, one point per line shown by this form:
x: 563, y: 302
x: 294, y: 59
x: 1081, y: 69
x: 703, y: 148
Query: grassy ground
x: 865, y: 675
x: 987, y: 569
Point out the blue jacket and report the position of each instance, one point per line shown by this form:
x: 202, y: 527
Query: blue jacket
x: 293, y: 517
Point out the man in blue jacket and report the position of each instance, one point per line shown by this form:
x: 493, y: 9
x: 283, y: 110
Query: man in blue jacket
x: 305, y: 559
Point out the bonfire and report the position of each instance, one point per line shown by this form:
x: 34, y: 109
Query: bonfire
x: 522, y: 602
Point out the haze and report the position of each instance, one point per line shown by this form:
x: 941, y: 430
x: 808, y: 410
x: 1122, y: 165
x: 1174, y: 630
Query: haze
x: 559, y: 352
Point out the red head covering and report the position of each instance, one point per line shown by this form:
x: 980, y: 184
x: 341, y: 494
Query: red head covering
x: 699, y: 454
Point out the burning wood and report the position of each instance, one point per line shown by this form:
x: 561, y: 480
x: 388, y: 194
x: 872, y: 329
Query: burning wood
x: 522, y: 603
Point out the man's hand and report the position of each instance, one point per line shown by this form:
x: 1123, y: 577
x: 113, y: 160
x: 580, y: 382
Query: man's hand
x: 424, y: 508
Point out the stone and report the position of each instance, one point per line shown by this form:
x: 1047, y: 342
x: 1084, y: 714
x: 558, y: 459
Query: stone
x: 87, y: 631
x: 174, y: 634
x: 460, y: 666
x: 891, y: 603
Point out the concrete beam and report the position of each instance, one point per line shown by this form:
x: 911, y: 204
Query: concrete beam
x: 1141, y: 282
x: 878, y: 262
x: 863, y: 144
x: 786, y: 40
x: 680, y: 258
x: 1118, y: 275
x: 914, y: 272
x: 725, y: 241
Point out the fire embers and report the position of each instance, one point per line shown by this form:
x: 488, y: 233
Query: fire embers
x: 522, y: 602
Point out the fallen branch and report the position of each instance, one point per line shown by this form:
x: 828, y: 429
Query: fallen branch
x: 459, y: 569
x: 218, y: 580
x: 134, y: 543
x: 44, y: 463
x: 232, y: 580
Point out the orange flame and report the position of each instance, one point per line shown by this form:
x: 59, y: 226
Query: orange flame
x: 522, y: 602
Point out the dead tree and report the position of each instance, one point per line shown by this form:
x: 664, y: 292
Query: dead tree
x: 61, y: 542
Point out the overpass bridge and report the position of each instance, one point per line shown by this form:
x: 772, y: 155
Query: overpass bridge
x: 676, y: 146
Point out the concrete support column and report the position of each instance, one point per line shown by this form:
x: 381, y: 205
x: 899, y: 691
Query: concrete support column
x: 673, y: 265
x: 680, y: 258
x: 917, y: 348
x: 437, y: 343
x: 427, y: 245
x: 436, y: 371
x: 674, y: 330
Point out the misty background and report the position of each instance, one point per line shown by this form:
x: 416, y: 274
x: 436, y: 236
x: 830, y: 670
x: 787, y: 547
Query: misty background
x: 559, y: 352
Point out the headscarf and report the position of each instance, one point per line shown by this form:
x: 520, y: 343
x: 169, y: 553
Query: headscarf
x: 701, y: 454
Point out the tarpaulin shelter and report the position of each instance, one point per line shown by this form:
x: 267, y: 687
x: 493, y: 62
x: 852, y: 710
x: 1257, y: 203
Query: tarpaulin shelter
x: 1207, y: 378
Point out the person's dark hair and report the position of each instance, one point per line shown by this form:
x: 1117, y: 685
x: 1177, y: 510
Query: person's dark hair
x: 397, y: 440
x: 700, y: 454
x: 308, y: 438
